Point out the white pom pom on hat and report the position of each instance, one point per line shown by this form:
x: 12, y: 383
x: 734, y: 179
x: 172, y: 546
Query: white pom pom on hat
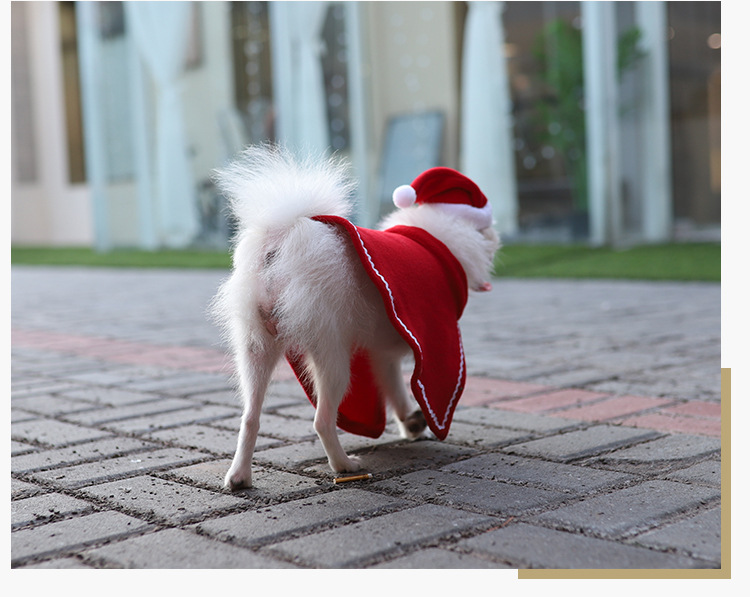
x: 404, y: 196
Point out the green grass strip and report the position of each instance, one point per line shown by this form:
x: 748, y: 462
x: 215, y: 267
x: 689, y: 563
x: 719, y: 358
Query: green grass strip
x: 120, y: 258
x: 688, y: 261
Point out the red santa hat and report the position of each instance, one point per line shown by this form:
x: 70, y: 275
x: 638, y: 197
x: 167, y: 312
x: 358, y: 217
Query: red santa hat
x: 455, y: 193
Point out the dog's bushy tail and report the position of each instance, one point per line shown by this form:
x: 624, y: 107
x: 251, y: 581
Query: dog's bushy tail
x: 269, y: 189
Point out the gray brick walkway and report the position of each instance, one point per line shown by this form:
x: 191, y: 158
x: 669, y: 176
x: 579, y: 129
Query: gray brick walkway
x: 587, y: 437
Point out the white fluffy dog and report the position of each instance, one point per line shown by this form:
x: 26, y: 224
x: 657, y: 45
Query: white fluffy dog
x: 298, y: 287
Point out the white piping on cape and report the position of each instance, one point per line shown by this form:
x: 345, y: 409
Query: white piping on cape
x: 440, y: 425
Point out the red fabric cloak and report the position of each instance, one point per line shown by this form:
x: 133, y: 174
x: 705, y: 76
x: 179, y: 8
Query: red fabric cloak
x: 424, y: 290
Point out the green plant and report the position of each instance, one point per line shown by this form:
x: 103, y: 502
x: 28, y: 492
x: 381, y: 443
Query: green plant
x: 558, y: 51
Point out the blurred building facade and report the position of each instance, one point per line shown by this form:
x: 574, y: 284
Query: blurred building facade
x: 582, y: 121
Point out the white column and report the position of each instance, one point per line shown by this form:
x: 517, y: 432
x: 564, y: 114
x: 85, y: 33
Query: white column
x: 359, y: 112
x: 486, y: 113
x: 651, y: 18
x: 299, y: 92
x: 143, y: 162
x: 160, y: 34
x: 602, y: 122
x: 96, y: 169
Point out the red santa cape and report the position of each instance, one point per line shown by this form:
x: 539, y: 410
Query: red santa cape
x: 424, y: 290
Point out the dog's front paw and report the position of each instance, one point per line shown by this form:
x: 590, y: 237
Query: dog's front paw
x: 413, y: 425
x: 350, y: 465
x: 237, y: 479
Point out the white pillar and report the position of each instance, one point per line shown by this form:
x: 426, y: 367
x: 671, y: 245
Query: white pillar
x: 486, y: 113
x: 299, y: 93
x: 96, y: 168
x: 159, y: 32
x: 651, y: 18
x: 359, y: 112
x: 602, y: 121
x: 143, y: 159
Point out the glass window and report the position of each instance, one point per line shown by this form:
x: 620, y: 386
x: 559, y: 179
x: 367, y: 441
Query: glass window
x: 72, y: 93
x: 695, y: 97
x: 252, y: 70
x: 543, y: 50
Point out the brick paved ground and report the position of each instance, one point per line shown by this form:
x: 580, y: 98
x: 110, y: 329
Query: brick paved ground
x: 588, y: 437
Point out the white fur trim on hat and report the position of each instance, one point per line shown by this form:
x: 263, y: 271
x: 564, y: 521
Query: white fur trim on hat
x: 481, y: 217
x: 404, y: 196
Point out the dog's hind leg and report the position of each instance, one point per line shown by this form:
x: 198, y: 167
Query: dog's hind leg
x: 331, y: 377
x: 411, y: 423
x: 255, y: 368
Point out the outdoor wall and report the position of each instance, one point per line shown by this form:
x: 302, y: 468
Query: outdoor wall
x: 207, y: 88
x: 45, y: 207
x: 414, y: 65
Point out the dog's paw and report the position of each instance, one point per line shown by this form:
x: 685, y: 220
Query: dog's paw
x: 236, y: 480
x: 413, y: 425
x: 350, y: 465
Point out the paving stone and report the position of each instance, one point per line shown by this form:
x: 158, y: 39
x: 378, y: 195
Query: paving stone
x: 707, y: 472
x: 304, y: 411
x: 671, y: 447
x: 550, y: 401
x: 180, y: 384
x: 110, y: 375
x: 51, y: 406
x: 130, y: 411
x: 206, y: 438
x: 91, y: 473
x: 72, y: 535
x: 493, y: 417
x: 96, y: 450
x: 359, y: 444
x: 280, y: 394
x: 42, y: 389
x: 476, y: 436
x: 573, y: 377
x: 628, y: 510
x: 582, y: 443
x: 344, y: 547
x: 153, y: 497
x: 20, y: 448
x: 695, y: 408
x: 224, y: 397
x: 108, y: 396
x: 481, y: 390
x: 676, y: 424
x: 435, y: 558
x: 494, y: 497
x: 43, y: 508
x: 52, y: 433
x: 274, y: 522
x: 268, y: 484
x: 526, y: 546
x: 21, y: 416
x: 148, y: 424
x: 698, y: 536
x: 60, y: 563
x: 178, y: 549
x: 288, y: 428
x: 21, y: 489
x: 400, y: 456
x: 612, y: 408
x: 539, y: 473
x: 293, y: 456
